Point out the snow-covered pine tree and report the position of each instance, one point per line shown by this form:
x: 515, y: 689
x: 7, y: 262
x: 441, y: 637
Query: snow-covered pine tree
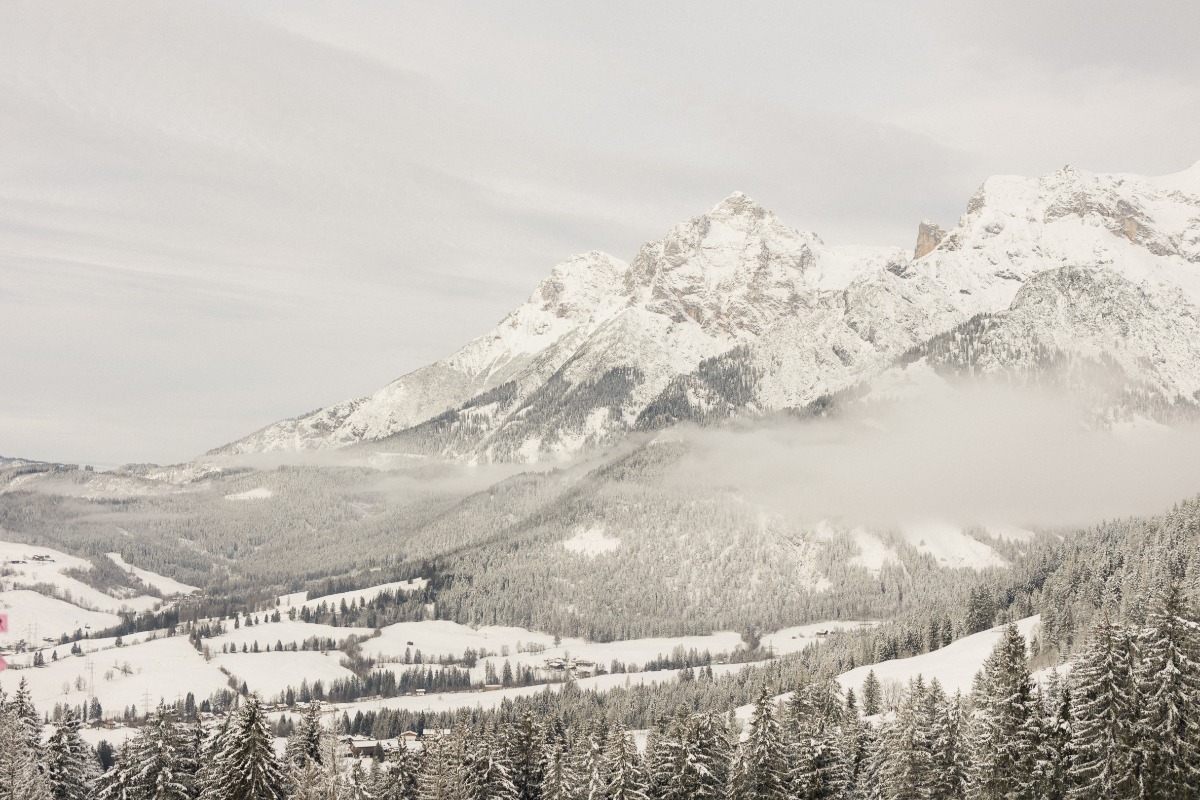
x: 559, y: 779
x: 441, y: 777
x: 664, y: 750
x: 625, y: 780
x: 355, y: 784
x: 311, y: 781
x: 22, y: 707
x: 762, y: 769
x: 1003, y: 730
x: 1105, y: 716
x: 590, y: 764
x: 399, y: 780
x: 306, y: 742
x: 115, y: 783
x: 871, y: 700
x: 1054, y: 740
x: 1168, y: 690
x: 70, y: 765
x: 486, y: 772
x: 905, y: 760
x: 521, y: 743
x: 162, y: 764
x: 946, y: 724
x: 210, y: 770
x: 704, y: 755
x: 818, y: 766
x: 21, y: 776
x: 245, y: 766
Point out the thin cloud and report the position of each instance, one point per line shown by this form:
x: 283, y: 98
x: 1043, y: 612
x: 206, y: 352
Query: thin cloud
x: 978, y: 455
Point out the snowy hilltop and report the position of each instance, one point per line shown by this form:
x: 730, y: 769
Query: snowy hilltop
x: 735, y: 312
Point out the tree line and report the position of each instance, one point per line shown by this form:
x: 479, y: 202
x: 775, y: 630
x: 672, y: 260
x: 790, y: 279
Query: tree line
x: 1120, y: 725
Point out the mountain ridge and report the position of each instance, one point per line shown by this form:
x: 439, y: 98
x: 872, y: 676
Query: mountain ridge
x: 735, y: 296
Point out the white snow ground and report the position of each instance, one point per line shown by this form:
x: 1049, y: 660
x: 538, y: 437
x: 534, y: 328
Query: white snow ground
x: 168, y: 586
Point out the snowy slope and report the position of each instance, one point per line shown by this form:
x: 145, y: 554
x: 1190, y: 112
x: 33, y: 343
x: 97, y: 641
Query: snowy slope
x: 24, y: 570
x: 734, y: 311
x: 953, y: 666
x: 578, y: 295
x: 167, y: 586
x: 137, y: 675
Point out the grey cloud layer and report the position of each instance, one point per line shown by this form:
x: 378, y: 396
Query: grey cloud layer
x: 975, y: 456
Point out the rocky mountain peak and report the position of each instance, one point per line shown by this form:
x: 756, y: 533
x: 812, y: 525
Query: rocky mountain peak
x: 737, y: 205
x: 732, y: 269
x: 929, y: 236
x: 575, y: 288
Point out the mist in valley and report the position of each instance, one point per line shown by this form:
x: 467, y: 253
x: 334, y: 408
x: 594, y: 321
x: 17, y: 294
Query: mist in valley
x: 978, y: 454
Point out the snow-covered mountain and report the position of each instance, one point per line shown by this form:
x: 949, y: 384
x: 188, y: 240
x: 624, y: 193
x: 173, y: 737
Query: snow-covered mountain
x: 734, y: 311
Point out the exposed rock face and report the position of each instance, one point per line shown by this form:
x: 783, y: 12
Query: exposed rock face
x: 929, y: 236
x: 735, y: 312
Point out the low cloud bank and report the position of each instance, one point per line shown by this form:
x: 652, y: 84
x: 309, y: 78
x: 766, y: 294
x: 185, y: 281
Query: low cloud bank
x: 975, y: 455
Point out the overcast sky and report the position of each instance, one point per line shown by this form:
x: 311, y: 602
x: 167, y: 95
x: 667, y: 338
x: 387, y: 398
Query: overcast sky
x: 217, y: 214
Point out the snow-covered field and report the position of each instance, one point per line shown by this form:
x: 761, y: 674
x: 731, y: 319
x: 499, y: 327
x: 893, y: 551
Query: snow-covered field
x: 269, y: 673
x: 450, y: 701
x: 300, y: 599
x: 258, y: 493
x: 285, y: 631
x: 793, y: 640
x: 133, y: 675
x: 150, y: 666
x: 33, y: 616
x: 168, y: 586
x: 23, y: 571
x: 591, y: 542
x: 442, y: 637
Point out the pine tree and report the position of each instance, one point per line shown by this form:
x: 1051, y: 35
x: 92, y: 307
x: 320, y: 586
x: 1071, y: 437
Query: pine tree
x: 946, y: 723
x: 1054, y: 741
x: 245, y: 766
x: 115, y: 783
x: 21, y: 776
x: 399, y: 781
x: 590, y: 764
x: 1003, y: 731
x: 440, y: 776
x: 704, y: 755
x: 761, y: 770
x: 70, y: 765
x: 355, y: 784
x: 1168, y: 690
x: 311, y: 781
x: 871, y: 704
x: 521, y: 743
x: 486, y: 772
x: 163, y: 759
x: 26, y: 714
x: 559, y: 780
x: 820, y: 769
x: 306, y: 744
x: 663, y: 756
x: 625, y: 781
x: 905, y: 758
x: 1105, y: 717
